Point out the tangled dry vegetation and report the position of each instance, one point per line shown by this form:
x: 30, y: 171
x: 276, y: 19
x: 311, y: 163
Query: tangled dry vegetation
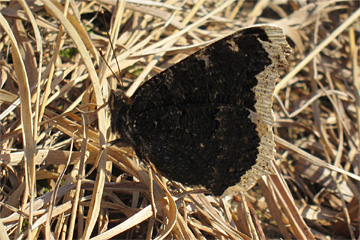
x: 59, y: 179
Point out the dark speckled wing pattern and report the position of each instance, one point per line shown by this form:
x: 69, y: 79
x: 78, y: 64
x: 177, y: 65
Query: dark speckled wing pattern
x: 207, y: 120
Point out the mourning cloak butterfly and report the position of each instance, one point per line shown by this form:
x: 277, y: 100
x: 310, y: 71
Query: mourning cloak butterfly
x: 208, y: 119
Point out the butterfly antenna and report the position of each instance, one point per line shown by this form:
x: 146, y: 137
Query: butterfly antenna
x: 118, y: 78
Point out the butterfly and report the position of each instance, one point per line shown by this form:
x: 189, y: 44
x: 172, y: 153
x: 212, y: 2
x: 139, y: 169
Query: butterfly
x: 207, y: 120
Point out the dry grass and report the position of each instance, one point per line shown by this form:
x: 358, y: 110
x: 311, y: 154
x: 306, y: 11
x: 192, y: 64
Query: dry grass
x: 59, y: 179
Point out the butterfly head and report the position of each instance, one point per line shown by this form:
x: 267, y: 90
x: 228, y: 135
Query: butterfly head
x: 119, y: 104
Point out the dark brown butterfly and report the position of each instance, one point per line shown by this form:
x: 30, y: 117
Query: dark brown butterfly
x: 208, y: 119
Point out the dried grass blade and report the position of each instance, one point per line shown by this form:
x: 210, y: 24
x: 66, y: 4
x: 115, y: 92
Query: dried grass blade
x: 354, y: 51
x: 131, y: 222
x: 102, y: 123
x: 26, y: 116
x: 40, y: 60
x: 283, y: 83
x: 312, y: 159
x: 3, y: 234
x: 171, y: 212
